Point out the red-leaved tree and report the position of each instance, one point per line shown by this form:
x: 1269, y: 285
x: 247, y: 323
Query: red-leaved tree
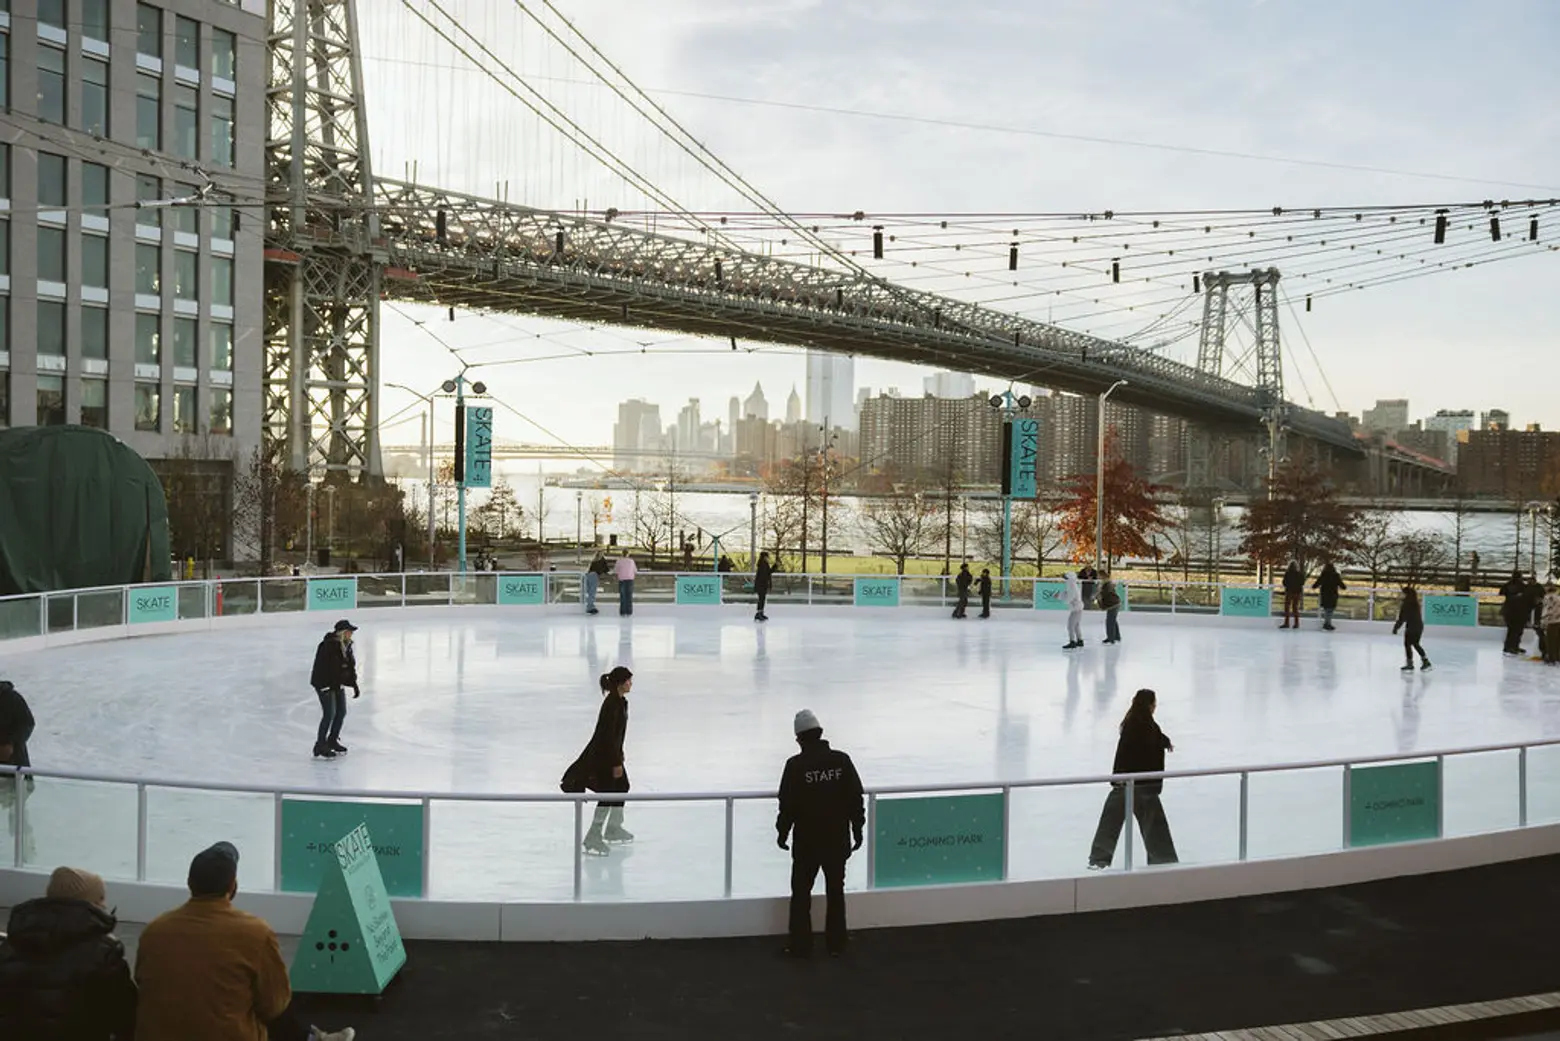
x: 1300, y: 519
x: 1133, y: 513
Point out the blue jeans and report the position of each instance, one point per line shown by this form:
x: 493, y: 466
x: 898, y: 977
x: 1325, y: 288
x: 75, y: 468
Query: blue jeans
x: 592, y: 583
x: 333, y: 710
x: 1112, y: 630
x: 626, y: 596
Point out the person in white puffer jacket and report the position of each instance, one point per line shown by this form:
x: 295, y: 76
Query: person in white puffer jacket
x: 1074, y: 598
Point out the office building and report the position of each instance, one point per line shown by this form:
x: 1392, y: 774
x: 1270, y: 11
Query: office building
x: 756, y: 407
x: 950, y: 385
x: 1453, y: 423
x: 636, y: 436
x: 831, y: 390
x: 1388, y: 417
x: 1495, y: 419
x: 928, y: 439
x: 1515, y: 465
x: 793, y: 407
x: 131, y: 296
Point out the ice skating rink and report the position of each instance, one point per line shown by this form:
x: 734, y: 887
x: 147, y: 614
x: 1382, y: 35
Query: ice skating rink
x: 488, y: 700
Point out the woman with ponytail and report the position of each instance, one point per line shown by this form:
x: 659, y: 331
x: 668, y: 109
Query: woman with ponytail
x: 600, y: 767
x: 1140, y: 749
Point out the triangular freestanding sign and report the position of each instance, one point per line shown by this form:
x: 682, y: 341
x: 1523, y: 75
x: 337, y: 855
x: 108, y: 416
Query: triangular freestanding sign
x: 351, y: 944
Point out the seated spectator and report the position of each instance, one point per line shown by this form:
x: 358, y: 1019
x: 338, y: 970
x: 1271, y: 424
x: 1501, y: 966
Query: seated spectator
x: 63, y: 974
x: 210, y: 972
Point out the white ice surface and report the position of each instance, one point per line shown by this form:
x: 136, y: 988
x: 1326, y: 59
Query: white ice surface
x: 484, y: 700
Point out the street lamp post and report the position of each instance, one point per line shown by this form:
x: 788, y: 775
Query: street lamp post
x: 1099, y: 477
x: 1218, y: 540
x: 457, y: 386
x: 1009, y: 404
x: 1533, y: 508
x: 579, y: 537
x: 427, y: 399
x: 753, y: 530
x: 823, y: 462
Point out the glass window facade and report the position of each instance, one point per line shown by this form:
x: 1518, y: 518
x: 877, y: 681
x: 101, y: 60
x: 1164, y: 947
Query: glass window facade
x: 148, y: 189
x: 94, y: 403
x: 221, y: 418
x: 94, y: 261
x: 222, y: 280
x: 51, y: 327
x: 221, y: 347
x: 148, y: 407
x: 52, y: 12
x: 51, y: 254
x: 148, y: 30
x: 94, y: 332
x: 94, y: 96
x: 184, y: 410
x: 186, y: 275
x: 184, y: 340
x: 224, y: 55
x: 185, y: 217
x: 94, y: 188
x: 148, y: 269
x: 186, y: 122
x: 51, y: 401
x: 221, y: 130
x: 94, y: 19
x: 224, y: 219
x: 186, y: 42
x: 51, y: 180
x: 51, y: 84
x: 148, y: 111
x: 148, y: 339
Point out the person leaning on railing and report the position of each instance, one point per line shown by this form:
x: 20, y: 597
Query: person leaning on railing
x: 16, y: 726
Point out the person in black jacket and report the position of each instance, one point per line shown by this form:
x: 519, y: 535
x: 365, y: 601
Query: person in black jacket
x: 822, y: 813
x: 16, y: 727
x: 1140, y: 749
x: 1535, y: 598
x: 335, y: 669
x: 1411, y: 620
x: 600, y: 768
x: 983, y: 584
x: 962, y: 584
x: 1110, y: 602
x: 1515, y: 611
x: 593, y: 575
x: 763, y: 578
x: 1294, y: 593
x: 63, y: 975
x: 1328, y: 584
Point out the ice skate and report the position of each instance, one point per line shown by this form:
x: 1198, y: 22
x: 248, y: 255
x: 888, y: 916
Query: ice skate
x: 324, y: 752
x: 615, y: 831
x: 1425, y: 665
x: 1408, y: 668
x: 595, y: 846
x: 338, y: 748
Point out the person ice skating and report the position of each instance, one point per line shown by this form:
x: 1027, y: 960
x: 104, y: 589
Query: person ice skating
x: 63, y: 973
x: 763, y: 578
x: 335, y: 669
x: 1073, y: 595
x: 962, y: 584
x: 1328, y: 584
x: 822, y: 814
x: 1514, y: 611
x: 593, y: 574
x: 600, y: 768
x: 1110, y: 602
x: 1535, y: 599
x: 207, y: 970
x: 983, y: 585
x: 1551, y: 624
x: 1140, y: 749
x: 1294, y: 594
x: 1411, y: 620
x: 1088, y: 578
x: 626, y: 571
x: 16, y: 727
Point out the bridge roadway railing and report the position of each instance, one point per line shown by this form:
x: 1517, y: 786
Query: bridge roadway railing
x: 718, y: 845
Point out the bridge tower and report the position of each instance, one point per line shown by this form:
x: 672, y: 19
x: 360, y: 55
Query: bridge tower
x: 1239, y: 340
x: 322, y: 271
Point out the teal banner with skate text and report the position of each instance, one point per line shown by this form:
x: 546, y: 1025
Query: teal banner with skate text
x: 332, y: 594
x: 152, y: 604
x: 877, y: 592
x: 521, y: 590
x: 1050, y: 595
x: 307, y: 827
x: 1023, y: 476
x: 1450, y: 610
x: 1395, y: 802
x: 1245, y: 602
x: 938, y: 840
x: 698, y: 589
x: 479, y: 447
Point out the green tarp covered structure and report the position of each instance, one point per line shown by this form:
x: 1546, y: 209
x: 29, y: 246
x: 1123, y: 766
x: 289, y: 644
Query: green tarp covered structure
x: 78, y: 508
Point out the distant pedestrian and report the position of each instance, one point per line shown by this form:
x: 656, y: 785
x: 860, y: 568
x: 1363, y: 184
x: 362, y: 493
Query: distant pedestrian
x: 1110, y: 602
x: 1515, y: 610
x: 724, y: 565
x: 626, y: 571
x: 335, y: 669
x: 983, y: 584
x: 1073, y: 596
x: 1328, y: 584
x: 1140, y: 749
x: 823, y: 814
x: 1294, y: 594
x: 593, y: 575
x: 1551, y: 624
x: 1411, y: 620
x: 962, y: 584
x: 763, y: 578
x: 600, y: 767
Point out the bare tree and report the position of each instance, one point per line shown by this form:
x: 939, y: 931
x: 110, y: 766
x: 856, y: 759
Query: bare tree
x: 1417, y: 556
x: 653, y: 521
x: 1465, y: 523
x: 1375, y: 545
x: 270, y: 505
x: 1036, y: 533
x: 196, y: 482
x: 898, y: 525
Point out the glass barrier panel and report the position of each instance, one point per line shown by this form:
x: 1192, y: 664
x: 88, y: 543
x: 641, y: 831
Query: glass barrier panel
x: 566, y: 587
x: 474, y: 588
x: 90, y: 824
x: 1295, y: 813
x: 838, y: 590
x: 236, y: 596
x: 192, y: 601
x: 919, y: 591
x: 786, y: 588
x: 1052, y: 829
x: 501, y: 851
x: 759, y: 868
x: 62, y: 612
x: 426, y: 589
x: 283, y: 594
x: 379, y: 591
x: 1353, y: 606
x: 1151, y: 595
x: 653, y: 587
x: 19, y: 618
x: 737, y: 588
x: 1543, y: 784
x: 1194, y: 599
x: 100, y: 608
x: 180, y: 822
x: 1478, y: 793
x: 1489, y: 613
x: 678, y: 854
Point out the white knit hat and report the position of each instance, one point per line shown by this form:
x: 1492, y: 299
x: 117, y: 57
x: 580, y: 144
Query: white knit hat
x: 805, y: 721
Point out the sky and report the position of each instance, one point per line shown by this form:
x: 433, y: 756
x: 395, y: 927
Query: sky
x: 1424, y: 102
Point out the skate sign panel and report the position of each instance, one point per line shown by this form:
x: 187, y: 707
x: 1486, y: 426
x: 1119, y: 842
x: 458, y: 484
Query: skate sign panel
x: 521, y: 590
x: 1050, y: 595
x: 1395, y: 802
x: 332, y: 594
x: 698, y: 589
x: 152, y: 604
x: 876, y: 592
x: 479, y: 447
x: 1245, y: 602
x: 307, y: 846
x: 351, y: 944
x: 1024, y: 456
x: 1441, y: 609
x: 938, y: 840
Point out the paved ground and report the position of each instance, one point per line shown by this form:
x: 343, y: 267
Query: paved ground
x: 1387, y: 946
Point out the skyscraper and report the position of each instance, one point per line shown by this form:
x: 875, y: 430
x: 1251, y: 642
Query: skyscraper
x: 950, y: 385
x: 756, y: 406
x: 831, y: 390
x: 793, y: 407
x: 637, y: 430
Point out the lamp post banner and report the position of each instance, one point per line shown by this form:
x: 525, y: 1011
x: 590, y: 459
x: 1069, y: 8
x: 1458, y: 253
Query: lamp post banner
x: 479, y: 447
x: 1025, y: 455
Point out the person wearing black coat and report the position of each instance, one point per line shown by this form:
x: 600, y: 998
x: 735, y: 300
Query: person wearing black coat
x: 763, y: 578
x: 962, y: 584
x: 335, y: 669
x: 1140, y: 749
x: 1110, y: 603
x: 1515, y: 611
x: 1411, y: 620
x: 63, y: 974
x: 983, y: 584
x: 600, y: 767
x: 1294, y: 594
x: 821, y: 820
x: 16, y: 727
x: 1535, y: 598
x: 1328, y: 584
